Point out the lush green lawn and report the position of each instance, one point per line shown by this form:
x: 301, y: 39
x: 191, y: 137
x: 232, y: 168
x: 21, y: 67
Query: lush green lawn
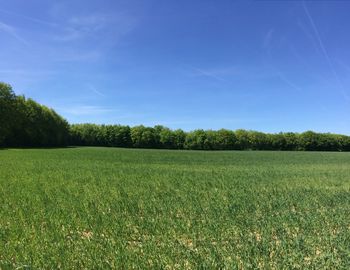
x: 95, y: 208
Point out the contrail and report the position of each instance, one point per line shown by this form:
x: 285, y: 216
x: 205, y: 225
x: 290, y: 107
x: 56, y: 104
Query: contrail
x: 288, y: 82
x: 324, y: 51
x: 93, y: 89
x: 29, y: 18
x: 12, y: 32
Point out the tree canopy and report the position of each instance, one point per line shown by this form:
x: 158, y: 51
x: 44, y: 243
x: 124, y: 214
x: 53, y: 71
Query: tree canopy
x: 24, y: 122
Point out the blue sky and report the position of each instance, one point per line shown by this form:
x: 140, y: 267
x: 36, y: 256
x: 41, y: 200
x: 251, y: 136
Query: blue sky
x: 267, y: 66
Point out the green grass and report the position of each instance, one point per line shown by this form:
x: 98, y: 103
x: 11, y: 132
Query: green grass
x: 100, y: 208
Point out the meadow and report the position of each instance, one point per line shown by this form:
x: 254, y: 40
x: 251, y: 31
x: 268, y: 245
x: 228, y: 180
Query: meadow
x: 102, y: 208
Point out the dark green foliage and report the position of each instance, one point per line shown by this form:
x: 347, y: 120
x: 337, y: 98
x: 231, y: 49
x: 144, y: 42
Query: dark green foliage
x: 7, y: 107
x: 171, y: 139
x: 259, y: 140
x: 179, y: 138
x: 197, y: 140
x: 86, y: 134
x: 24, y: 122
x: 223, y: 139
x: 100, y: 135
x: 243, y: 141
x: 143, y: 137
x: 118, y: 135
x: 291, y: 141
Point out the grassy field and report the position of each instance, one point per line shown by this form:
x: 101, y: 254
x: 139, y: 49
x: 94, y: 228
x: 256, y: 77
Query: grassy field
x: 100, y: 208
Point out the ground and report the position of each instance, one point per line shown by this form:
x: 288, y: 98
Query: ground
x: 100, y: 208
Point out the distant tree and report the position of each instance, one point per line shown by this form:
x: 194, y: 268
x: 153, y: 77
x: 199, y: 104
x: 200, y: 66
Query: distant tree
x: 24, y: 122
x: 196, y: 140
x: 123, y: 136
x: 243, y: 141
x: 292, y: 141
x: 167, y: 138
x: 163, y: 137
x: 226, y: 140
x: 85, y: 134
x: 344, y: 142
x: 277, y: 141
x: 7, y: 111
x: 179, y: 139
x: 258, y: 140
x: 143, y: 137
x: 157, y: 130
x: 209, y: 140
x: 219, y: 140
x: 309, y: 141
x: 327, y: 142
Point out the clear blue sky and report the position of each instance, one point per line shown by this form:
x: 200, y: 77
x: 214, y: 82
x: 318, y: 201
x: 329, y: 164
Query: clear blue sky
x: 268, y: 66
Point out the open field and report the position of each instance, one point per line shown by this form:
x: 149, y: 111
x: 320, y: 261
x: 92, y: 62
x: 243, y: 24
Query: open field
x: 79, y: 208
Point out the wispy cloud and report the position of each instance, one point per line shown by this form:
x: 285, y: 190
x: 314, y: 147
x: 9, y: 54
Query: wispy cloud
x: 80, y: 27
x: 325, y: 52
x: 288, y: 82
x: 91, y: 25
x: 77, y: 56
x: 268, y: 38
x: 28, y: 18
x: 91, y: 22
x: 68, y: 34
x: 86, y: 110
x: 24, y: 72
x: 207, y: 73
x: 10, y: 30
x: 208, y: 120
x: 94, y: 90
x: 25, y: 81
x: 305, y: 29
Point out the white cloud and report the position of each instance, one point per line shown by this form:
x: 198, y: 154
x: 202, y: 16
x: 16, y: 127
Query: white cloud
x: 92, y: 25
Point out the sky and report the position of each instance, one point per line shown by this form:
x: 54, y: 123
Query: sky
x: 269, y: 66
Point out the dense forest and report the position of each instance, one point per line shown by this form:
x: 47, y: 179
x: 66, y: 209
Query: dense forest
x: 25, y: 123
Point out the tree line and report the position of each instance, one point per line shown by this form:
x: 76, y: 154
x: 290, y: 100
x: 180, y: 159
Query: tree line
x: 223, y: 139
x: 24, y: 122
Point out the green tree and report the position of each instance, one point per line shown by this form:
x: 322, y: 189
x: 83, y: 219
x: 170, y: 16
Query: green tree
x: 179, y: 139
x: 226, y: 139
x: 143, y: 137
x: 243, y: 141
x: 196, y: 140
x: 167, y: 138
x: 258, y: 140
x: 7, y: 111
x: 309, y: 141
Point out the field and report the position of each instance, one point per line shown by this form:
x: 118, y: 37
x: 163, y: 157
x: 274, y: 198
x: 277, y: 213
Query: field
x: 100, y: 208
